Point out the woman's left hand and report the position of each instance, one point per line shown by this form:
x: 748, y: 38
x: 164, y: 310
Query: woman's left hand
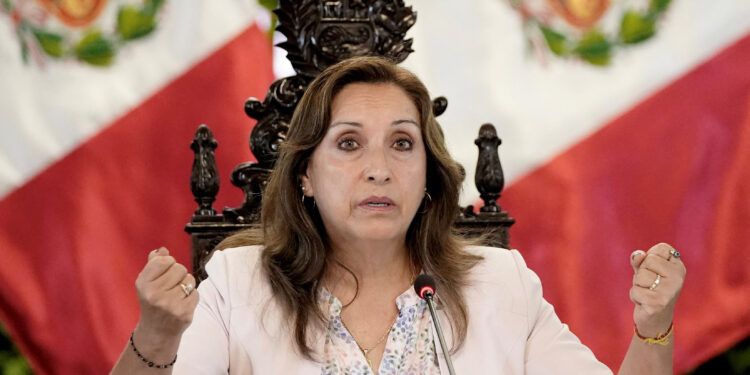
x: 657, y: 283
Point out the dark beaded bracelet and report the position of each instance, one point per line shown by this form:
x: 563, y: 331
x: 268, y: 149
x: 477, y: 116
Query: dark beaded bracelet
x: 146, y: 361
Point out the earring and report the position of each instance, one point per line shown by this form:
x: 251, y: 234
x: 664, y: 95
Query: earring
x: 303, y: 197
x: 427, y: 199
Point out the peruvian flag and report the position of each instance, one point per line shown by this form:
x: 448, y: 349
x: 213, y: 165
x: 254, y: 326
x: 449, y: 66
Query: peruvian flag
x: 100, y: 100
x: 624, y: 124
x: 609, y: 145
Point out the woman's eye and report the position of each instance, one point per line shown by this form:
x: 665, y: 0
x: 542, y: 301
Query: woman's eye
x: 348, y: 144
x: 403, y: 144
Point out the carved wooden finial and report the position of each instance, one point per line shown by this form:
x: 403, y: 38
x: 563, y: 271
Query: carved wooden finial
x: 204, y: 179
x: 489, y: 174
x: 439, y: 105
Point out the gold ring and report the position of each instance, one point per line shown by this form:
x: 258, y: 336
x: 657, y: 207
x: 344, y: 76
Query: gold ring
x: 187, y: 289
x: 656, y: 282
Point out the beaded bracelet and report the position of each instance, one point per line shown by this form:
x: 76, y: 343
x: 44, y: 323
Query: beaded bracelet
x: 146, y: 361
x: 660, y: 339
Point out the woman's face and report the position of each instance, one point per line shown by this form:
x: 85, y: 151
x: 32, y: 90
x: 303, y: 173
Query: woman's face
x: 368, y: 174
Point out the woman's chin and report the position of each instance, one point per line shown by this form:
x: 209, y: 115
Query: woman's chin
x: 377, y: 232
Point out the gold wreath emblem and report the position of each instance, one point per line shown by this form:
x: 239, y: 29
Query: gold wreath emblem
x: 42, y: 40
x: 572, y: 29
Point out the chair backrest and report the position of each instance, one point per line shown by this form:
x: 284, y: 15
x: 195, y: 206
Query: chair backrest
x: 321, y: 33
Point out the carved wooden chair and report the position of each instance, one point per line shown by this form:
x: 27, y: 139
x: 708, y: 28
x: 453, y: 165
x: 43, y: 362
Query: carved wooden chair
x: 320, y: 33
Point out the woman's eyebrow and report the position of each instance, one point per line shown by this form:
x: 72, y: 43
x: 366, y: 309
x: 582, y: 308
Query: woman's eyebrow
x: 359, y: 125
x: 405, y: 121
x: 352, y: 123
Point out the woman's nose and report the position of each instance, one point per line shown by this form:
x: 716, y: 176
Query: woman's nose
x: 378, y: 170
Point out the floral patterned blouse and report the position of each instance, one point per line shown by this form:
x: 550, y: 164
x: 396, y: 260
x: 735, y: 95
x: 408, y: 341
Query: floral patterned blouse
x: 409, y: 349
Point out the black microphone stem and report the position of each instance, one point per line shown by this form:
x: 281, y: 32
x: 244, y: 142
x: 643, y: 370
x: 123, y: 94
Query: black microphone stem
x: 446, y: 354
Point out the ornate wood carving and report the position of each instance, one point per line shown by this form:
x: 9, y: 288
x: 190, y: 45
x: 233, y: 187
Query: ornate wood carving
x: 322, y: 33
x: 439, y: 105
x: 251, y: 178
x: 273, y: 115
x: 489, y: 174
x: 204, y: 179
x: 491, y: 221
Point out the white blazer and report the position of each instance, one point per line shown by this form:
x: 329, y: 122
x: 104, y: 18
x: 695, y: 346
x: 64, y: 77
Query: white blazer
x: 239, y: 329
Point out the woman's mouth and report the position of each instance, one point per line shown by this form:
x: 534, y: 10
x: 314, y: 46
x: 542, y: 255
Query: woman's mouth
x: 377, y: 203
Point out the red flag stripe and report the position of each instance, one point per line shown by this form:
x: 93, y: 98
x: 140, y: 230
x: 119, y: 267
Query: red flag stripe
x: 670, y: 169
x: 75, y: 237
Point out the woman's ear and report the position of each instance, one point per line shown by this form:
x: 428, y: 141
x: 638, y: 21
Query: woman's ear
x: 305, y: 185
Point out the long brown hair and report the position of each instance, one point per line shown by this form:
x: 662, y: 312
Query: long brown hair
x: 295, y: 244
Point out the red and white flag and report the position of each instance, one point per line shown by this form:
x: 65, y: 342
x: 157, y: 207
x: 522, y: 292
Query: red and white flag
x: 624, y: 124
x: 99, y: 104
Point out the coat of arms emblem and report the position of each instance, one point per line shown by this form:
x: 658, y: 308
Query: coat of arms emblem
x: 589, y: 30
x: 68, y: 29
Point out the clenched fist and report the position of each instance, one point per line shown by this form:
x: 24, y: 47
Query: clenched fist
x: 167, y: 296
x: 657, y: 282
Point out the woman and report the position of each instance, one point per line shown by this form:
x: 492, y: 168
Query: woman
x: 361, y: 201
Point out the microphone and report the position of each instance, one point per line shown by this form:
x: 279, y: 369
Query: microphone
x: 425, y: 287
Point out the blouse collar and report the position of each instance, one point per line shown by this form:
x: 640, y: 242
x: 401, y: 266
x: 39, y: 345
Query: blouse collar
x: 406, y: 299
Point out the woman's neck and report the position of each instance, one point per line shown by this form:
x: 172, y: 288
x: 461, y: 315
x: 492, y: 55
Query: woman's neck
x: 373, y: 264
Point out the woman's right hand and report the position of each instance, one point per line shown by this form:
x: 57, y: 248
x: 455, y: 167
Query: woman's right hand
x: 166, y: 308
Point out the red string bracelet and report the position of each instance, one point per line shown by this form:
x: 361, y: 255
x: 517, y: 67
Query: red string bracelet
x: 660, y: 339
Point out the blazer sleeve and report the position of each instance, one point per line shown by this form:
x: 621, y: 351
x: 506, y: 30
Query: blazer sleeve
x: 550, y: 347
x: 204, y: 348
